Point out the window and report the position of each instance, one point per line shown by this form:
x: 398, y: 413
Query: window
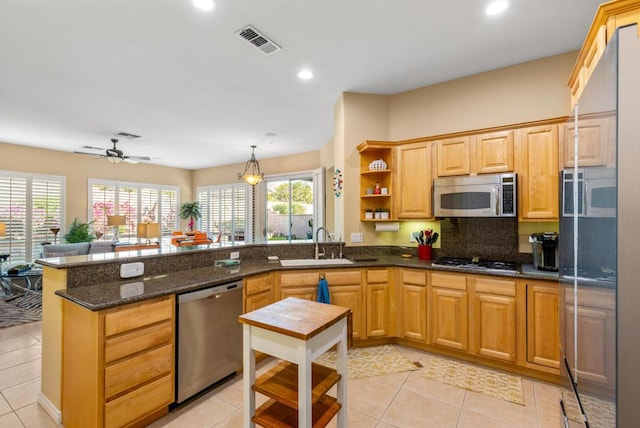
x: 31, y: 206
x: 294, y: 206
x: 138, y: 202
x: 224, y: 213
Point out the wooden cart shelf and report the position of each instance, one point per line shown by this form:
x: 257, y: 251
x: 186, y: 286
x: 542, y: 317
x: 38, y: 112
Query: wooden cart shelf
x: 274, y: 414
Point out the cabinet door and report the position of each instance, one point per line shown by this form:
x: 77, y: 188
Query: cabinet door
x: 494, y: 318
x: 308, y: 293
x: 449, y: 303
x: 414, y: 312
x: 258, y: 291
x: 494, y: 152
x: 257, y: 301
x: 593, y: 135
x: 537, y: 168
x: 346, y: 290
x: 542, y: 325
x: 414, y: 181
x: 453, y: 156
x: 378, y: 310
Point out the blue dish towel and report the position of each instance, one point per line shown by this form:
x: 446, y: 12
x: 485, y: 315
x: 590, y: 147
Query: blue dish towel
x: 323, y: 291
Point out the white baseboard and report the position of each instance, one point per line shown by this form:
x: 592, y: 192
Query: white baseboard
x: 48, y: 407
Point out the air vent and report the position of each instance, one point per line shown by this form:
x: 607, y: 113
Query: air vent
x: 260, y: 41
x: 127, y: 136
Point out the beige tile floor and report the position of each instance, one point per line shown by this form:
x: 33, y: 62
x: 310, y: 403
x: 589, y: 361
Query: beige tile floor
x: 398, y: 400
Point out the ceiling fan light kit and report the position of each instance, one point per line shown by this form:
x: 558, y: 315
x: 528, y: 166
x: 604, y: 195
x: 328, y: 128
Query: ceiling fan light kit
x: 252, y: 174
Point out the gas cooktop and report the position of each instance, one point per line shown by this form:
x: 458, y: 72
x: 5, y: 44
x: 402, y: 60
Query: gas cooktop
x: 479, y: 265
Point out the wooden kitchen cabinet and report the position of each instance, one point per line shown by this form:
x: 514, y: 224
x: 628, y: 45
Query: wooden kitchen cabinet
x: 542, y: 324
x: 596, y: 336
x: 453, y: 156
x: 493, y: 317
x: 536, y: 161
x: 493, y: 152
x: 414, y: 181
x: 594, y: 136
x: 413, y: 284
x: 258, y: 291
x: 345, y: 289
x: 371, y: 151
x: 378, y: 297
x: 449, y: 310
x: 118, y: 364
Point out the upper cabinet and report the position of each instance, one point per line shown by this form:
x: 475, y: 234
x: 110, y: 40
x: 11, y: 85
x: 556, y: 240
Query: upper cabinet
x: 610, y: 16
x: 414, y: 181
x: 594, y: 136
x: 377, y: 160
x: 486, y: 153
x: 536, y: 161
x: 453, y: 156
x: 493, y: 152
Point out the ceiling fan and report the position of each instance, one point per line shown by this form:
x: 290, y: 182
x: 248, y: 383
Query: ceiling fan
x: 114, y: 155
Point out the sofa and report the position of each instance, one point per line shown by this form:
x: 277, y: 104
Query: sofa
x: 77, y: 248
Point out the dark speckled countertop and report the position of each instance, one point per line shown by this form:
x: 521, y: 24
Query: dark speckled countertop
x: 105, y: 295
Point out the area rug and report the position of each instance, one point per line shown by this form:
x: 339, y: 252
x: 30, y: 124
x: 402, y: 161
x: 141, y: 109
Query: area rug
x: 369, y: 362
x: 11, y: 314
x: 473, y: 378
x: 601, y: 413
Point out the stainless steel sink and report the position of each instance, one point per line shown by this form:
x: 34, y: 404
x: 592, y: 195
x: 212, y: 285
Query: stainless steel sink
x: 314, y: 262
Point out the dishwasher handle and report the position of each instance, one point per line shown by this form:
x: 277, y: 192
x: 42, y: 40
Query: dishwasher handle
x: 210, y: 292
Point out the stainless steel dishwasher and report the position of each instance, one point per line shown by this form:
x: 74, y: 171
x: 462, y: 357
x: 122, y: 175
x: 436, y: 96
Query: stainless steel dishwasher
x: 209, y: 337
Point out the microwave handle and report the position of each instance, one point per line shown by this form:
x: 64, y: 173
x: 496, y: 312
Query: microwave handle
x: 585, y: 198
x: 497, y: 192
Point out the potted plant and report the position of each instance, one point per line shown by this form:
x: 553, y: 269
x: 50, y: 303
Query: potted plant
x: 378, y: 213
x: 384, y: 213
x: 368, y: 213
x: 79, y: 232
x: 191, y: 211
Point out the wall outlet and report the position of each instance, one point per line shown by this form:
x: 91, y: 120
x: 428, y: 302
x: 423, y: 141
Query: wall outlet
x: 129, y: 270
x: 234, y: 255
x: 357, y: 237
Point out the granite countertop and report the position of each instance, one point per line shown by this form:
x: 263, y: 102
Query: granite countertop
x: 111, y: 294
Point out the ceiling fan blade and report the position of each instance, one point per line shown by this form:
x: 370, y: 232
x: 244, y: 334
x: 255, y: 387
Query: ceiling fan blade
x: 92, y: 148
x: 129, y: 160
x: 90, y: 154
x: 138, y: 158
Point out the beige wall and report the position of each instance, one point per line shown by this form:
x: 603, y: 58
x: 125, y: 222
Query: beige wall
x: 525, y: 92
x: 78, y: 169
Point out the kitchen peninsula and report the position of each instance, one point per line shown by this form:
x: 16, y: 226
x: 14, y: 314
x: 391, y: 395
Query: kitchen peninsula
x: 392, y: 299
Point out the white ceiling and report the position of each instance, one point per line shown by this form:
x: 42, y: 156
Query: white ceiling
x: 74, y: 72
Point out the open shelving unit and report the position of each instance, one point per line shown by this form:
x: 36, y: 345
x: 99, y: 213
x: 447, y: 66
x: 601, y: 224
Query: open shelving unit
x: 371, y: 151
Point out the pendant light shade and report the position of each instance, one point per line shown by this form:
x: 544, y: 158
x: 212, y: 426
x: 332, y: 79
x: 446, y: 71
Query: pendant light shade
x: 252, y: 174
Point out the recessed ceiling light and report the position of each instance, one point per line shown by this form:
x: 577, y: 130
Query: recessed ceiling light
x: 305, y: 74
x: 497, y: 7
x: 205, y: 5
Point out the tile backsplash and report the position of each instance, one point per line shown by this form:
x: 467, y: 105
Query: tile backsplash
x: 487, y: 238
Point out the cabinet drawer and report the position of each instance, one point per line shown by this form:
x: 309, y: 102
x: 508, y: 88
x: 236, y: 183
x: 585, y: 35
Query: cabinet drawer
x: 138, y: 340
x: 139, y: 403
x: 414, y: 277
x: 495, y: 286
x: 344, y: 278
x: 258, y: 284
x: 134, y: 371
x: 378, y: 275
x: 459, y: 282
x: 298, y: 279
x: 131, y: 316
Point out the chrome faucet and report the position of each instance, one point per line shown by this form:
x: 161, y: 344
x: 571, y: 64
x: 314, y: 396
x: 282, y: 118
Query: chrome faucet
x: 318, y: 254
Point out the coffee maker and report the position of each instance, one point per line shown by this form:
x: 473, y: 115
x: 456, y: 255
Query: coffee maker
x: 545, y: 251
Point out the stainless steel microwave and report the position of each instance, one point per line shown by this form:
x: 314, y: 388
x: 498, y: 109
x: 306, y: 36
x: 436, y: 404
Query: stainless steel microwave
x: 596, y: 192
x: 487, y: 195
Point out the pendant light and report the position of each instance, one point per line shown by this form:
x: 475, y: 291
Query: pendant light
x: 252, y: 174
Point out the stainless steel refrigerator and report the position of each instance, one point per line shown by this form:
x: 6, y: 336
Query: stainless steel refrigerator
x: 600, y: 246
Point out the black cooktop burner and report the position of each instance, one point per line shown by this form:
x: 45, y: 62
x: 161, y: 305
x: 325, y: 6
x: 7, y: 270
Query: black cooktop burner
x: 480, y: 265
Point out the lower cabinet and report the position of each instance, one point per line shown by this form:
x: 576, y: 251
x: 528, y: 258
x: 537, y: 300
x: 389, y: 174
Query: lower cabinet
x: 118, y: 364
x: 413, y: 285
x: 258, y: 292
x: 449, y: 316
x: 542, y: 324
x: 378, y: 303
x: 493, y: 317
